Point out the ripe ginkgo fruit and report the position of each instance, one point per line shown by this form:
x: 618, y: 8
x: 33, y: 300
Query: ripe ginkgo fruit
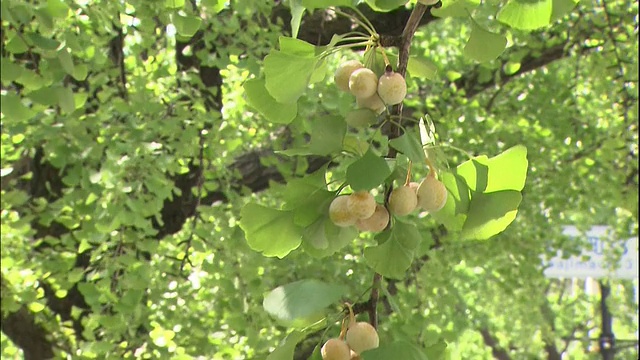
x: 360, y: 118
x: 343, y: 73
x: 376, y: 222
x: 355, y: 356
x: 361, y: 336
x: 363, y: 83
x: 402, y: 200
x: 432, y: 194
x: 373, y: 103
x: 361, y: 204
x: 339, y: 212
x: 335, y: 349
x: 391, y: 87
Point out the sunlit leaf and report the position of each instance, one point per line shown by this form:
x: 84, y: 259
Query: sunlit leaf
x: 490, y: 213
x: 187, y: 25
x: 484, y: 45
x: 259, y: 98
x: 526, y: 14
x: 287, y: 75
x: 394, y: 254
x: 270, y: 231
x: 301, y: 300
x: 409, y: 144
x: 286, y: 350
x: 367, y: 172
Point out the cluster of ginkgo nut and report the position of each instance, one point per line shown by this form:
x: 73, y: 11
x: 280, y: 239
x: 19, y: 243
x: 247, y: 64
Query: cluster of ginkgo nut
x: 370, y: 92
x: 360, y: 208
x: 358, y: 337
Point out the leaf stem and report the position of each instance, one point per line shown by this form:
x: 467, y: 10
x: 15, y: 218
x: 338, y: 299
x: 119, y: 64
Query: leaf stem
x: 367, y: 27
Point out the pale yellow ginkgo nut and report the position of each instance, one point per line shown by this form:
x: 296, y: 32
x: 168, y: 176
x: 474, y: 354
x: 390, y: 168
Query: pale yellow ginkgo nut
x: 335, y: 349
x: 373, y: 103
x: 343, y: 73
x: 392, y: 88
x: 432, y: 194
x: 363, y: 83
x: 402, y: 200
x: 361, y: 336
x: 339, y: 212
x: 361, y: 204
x: 377, y: 222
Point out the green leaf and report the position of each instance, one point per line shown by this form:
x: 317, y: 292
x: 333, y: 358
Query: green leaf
x: 489, y: 214
x: 187, y: 25
x: 437, y: 351
x: 66, y: 101
x: 526, y: 14
x: 361, y: 118
x: 297, y: 10
x: 323, y: 238
x: 287, y: 349
x: 270, y: 231
x: 15, y: 45
x: 323, y: 4
x: 561, y: 8
x: 259, y: 98
x: 385, y: 5
x: 459, y: 8
x: 214, y: 5
x: 66, y: 61
x: 454, y: 213
x: 296, y: 302
x: 293, y: 46
x: 174, y: 4
x: 475, y: 173
x: 508, y: 170
x: 13, y: 109
x: 287, y: 75
x: 422, y: 68
x: 394, y: 254
x: 327, y: 135
x: 57, y: 8
x: 409, y: 144
x: 42, y: 42
x: 367, y: 172
x: 307, y: 199
x: 80, y: 72
x: 9, y: 71
x: 484, y: 45
x: 396, y: 350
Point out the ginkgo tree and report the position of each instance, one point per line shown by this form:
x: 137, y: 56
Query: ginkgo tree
x: 484, y: 193
x: 172, y: 172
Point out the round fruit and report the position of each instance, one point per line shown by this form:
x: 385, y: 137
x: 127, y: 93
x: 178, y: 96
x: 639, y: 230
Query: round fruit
x: 374, y: 103
x: 414, y: 186
x: 360, y: 118
x: 335, y: 349
x: 392, y: 88
x: 343, y: 73
x: 402, y: 200
x: 432, y: 194
x: 339, y: 212
x: 355, y: 356
x: 377, y: 222
x: 428, y: 2
x: 363, y: 83
x: 361, y: 336
x: 361, y: 204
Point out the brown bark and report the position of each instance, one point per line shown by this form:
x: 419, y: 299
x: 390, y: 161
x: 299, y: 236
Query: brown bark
x: 497, y: 352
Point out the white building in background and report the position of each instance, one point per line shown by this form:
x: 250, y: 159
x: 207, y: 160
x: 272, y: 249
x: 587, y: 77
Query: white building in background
x: 596, y: 267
